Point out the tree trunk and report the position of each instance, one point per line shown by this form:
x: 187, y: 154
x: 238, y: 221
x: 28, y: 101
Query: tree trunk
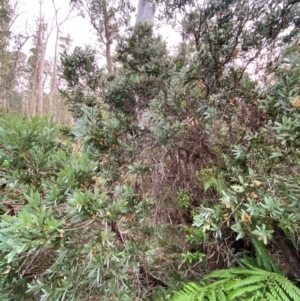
x: 145, y: 12
x: 41, y: 63
x: 34, y: 84
x: 23, y: 106
x: 107, y: 38
x: 54, y: 73
x: 38, y: 77
x: 26, y: 104
x: 54, y: 70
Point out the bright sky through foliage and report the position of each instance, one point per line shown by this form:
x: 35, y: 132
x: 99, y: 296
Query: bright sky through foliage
x: 78, y: 28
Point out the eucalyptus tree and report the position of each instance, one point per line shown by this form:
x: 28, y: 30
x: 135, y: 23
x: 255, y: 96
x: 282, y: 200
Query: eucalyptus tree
x: 58, y: 25
x: 107, y: 18
x: 44, y: 30
x: 145, y: 12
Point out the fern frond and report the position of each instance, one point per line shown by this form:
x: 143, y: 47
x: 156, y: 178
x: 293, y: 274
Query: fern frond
x: 223, y: 274
x: 211, y: 296
x: 244, y: 282
x: 183, y: 296
x: 221, y: 295
x: 190, y: 292
x: 215, y: 282
x: 236, y: 273
x: 201, y: 296
x: 292, y: 291
x: 271, y: 296
x: 245, y: 291
x: 263, y: 259
x: 237, y: 284
x: 281, y: 293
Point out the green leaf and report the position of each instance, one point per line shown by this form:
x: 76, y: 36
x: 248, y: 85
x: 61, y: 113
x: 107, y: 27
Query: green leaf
x: 276, y: 155
x: 237, y: 188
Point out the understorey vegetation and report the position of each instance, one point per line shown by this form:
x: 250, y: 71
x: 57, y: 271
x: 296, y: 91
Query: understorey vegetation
x: 179, y: 179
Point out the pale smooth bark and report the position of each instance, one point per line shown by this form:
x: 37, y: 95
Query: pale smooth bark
x: 41, y: 64
x: 54, y: 69
x: 145, y: 12
x: 54, y: 74
x: 107, y: 37
x: 34, y: 84
x: 43, y: 38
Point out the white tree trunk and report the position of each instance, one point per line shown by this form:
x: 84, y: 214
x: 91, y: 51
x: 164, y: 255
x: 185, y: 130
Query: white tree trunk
x: 33, y: 100
x: 54, y: 73
x: 145, y: 12
x: 41, y: 63
x: 54, y: 69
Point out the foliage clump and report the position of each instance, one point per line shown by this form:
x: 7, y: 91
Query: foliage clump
x: 60, y: 223
x: 182, y: 164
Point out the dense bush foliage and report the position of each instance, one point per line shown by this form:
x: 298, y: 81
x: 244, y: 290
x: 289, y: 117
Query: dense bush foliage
x: 63, y: 236
x: 181, y: 165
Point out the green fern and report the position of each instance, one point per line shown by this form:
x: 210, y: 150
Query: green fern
x: 249, y: 284
x: 263, y: 258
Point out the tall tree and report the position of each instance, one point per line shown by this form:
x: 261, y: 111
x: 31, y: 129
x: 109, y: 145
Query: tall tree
x: 41, y: 39
x: 43, y: 33
x: 145, y: 12
x: 42, y: 46
x: 107, y: 19
x: 58, y: 24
